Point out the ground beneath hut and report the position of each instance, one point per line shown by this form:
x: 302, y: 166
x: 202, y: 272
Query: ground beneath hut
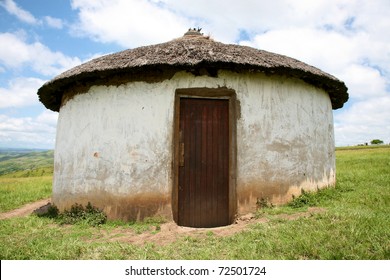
x: 168, y: 232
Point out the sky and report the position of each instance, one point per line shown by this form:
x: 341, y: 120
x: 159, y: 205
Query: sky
x: 40, y: 39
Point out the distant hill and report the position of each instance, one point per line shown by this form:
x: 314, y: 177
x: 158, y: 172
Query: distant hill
x: 12, y: 160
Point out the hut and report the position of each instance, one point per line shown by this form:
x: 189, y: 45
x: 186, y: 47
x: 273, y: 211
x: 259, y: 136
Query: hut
x: 195, y: 130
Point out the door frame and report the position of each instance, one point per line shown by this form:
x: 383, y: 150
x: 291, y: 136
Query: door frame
x: 206, y: 93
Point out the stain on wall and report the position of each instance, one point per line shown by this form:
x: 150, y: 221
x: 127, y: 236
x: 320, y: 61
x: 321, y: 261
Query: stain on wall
x: 123, y: 207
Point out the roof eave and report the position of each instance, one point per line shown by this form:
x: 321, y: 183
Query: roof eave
x: 50, y: 94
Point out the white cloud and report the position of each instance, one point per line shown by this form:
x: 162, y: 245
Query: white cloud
x: 364, y: 82
x: 54, y: 22
x: 21, y: 92
x: 23, y: 15
x: 129, y: 23
x: 226, y: 20
x: 363, y: 122
x: 48, y: 117
x: 27, y: 132
x: 15, y: 52
x: 318, y: 47
x: 346, y: 56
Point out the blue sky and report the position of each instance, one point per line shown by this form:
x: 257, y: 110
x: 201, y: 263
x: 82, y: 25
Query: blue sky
x: 40, y: 39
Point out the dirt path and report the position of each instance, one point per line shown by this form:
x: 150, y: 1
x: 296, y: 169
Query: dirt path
x: 24, y: 210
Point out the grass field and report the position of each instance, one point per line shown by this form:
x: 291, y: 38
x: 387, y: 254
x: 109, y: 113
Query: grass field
x: 15, y: 192
x: 353, y: 224
x: 24, y: 160
x: 25, y: 176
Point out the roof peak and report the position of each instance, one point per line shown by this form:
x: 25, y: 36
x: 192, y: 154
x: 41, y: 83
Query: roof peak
x: 194, y: 32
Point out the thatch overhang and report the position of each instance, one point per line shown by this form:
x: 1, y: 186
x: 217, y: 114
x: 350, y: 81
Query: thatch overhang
x: 197, y: 54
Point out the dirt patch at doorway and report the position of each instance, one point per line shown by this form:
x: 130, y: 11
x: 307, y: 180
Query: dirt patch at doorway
x: 169, y: 232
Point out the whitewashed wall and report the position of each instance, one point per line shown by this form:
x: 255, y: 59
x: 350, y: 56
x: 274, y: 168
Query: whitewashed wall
x: 285, y: 141
x: 114, y: 144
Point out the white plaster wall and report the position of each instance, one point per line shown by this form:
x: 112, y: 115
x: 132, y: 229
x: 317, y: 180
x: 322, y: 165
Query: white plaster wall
x: 113, y: 142
x: 118, y: 139
x: 285, y: 140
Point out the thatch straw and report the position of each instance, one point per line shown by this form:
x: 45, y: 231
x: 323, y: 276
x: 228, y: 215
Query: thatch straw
x: 190, y: 53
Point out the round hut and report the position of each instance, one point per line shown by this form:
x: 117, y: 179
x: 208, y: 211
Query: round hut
x: 192, y: 129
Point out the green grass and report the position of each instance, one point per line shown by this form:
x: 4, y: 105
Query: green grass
x: 370, y: 147
x: 25, y: 176
x: 354, y: 224
x: 19, y: 160
x: 38, y: 172
x: 40, y: 238
x: 15, y: 192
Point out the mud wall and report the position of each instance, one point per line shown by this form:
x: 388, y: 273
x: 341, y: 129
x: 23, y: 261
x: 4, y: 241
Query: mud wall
x: 114, y: 144
x: 285, y: 141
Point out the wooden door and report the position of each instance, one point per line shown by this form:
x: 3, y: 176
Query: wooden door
x: 203, y: 181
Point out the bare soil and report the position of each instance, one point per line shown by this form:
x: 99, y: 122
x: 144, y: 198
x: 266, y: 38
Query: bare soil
x: 24, y: 210
x: 168, y: 232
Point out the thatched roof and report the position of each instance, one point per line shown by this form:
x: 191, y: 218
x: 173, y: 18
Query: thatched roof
x: 195, y: 53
